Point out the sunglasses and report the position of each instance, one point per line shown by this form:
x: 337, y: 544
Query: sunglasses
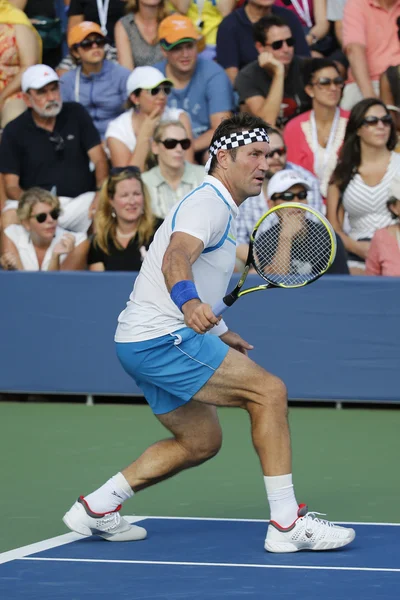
x: 289, y: 196
x: 86, y: 44
x: 326, y: 82
x: 58, y: 141
x: 279, y: 43
x: 386, y: 120
x: 278, y: 151
x: 41, y: 217
x: 129, y: 169
x: 170, y: 143
x: 165, y: 88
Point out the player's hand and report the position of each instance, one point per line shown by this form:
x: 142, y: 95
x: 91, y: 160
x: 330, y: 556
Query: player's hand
x: 234, y: 340
x: 267, y: 61
x: 65, y: 245
x: 199, y: 316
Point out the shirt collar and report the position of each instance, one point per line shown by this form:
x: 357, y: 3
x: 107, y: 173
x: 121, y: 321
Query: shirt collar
x: 216, y: 183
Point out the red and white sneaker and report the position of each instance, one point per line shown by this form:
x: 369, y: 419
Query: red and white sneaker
x: 110, y: 526
x: 308, y: 532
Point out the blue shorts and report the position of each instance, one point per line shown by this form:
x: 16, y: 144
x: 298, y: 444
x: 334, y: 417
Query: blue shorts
x: 171, y: 369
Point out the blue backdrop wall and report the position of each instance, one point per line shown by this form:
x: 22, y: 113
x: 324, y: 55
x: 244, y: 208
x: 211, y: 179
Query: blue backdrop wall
x: 338, y: 339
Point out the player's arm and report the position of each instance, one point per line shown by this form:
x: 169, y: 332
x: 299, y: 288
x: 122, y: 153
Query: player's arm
x: 183, y: 250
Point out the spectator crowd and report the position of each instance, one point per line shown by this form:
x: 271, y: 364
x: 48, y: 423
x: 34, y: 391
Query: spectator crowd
x: 108, y: 107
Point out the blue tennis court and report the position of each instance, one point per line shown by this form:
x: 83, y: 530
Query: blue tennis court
x: 189, y: 558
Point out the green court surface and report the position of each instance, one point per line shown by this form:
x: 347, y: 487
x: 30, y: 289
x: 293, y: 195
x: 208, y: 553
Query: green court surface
x: 346, y: 464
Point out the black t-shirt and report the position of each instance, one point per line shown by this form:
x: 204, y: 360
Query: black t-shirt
x: 47, y: 159
x: 40, y: 8
x: 338, y: 267
x: 127, y: 259
x: 253, y: 80
x: 88, y: 8
x: 235, y: 41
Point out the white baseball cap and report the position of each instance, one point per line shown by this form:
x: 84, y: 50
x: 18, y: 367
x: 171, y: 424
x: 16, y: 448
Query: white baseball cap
x: 283, y: 180
x: 145, y: 78
x: 37, y: 76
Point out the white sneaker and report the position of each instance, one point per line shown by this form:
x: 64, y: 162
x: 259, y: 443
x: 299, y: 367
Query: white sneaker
x: 110, y: 526
x: 308, y: 532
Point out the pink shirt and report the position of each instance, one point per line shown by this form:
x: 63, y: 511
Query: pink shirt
x: 384, y: 255
x: 367, y: 23
x: 292, y: 9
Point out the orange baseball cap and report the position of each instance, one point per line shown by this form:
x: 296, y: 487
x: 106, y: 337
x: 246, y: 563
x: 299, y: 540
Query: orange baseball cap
x: 78, y: 33
x: 176, y: 29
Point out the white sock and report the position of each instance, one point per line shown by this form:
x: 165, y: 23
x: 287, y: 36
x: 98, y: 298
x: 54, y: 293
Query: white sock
x: 110, y: 495
x: 282, y: 501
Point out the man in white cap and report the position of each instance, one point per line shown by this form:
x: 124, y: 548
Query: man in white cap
x: 291, y: 186
x: 52, y: 145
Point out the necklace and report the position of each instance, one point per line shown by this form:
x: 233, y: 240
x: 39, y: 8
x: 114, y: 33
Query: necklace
x: 126, y: 235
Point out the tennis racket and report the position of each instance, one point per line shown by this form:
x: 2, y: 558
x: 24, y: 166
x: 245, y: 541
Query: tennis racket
x: 291, y: 246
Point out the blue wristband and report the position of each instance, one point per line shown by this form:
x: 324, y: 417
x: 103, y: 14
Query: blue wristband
x: 182, y: 292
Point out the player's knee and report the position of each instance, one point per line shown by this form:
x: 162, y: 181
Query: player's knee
x: 272, y: 393
x: 206, y: 447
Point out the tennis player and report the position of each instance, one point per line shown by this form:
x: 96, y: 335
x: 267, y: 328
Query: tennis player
x: 187, y: 361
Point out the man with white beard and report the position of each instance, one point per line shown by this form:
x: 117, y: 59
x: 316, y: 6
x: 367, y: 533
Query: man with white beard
x: 54, y: 146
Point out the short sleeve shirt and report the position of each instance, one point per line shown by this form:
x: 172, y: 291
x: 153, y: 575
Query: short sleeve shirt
x: 208, y: 213
x: 51, y: 159
x: 88, y: 8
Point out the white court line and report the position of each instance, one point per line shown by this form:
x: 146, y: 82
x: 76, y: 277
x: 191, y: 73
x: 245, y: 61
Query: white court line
x: 68, y: 538
x: 207, y: 564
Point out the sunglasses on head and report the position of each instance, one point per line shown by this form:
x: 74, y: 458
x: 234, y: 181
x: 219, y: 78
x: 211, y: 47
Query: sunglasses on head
x: 99, y: 41
x: 171, y: 143
x: 327, y: 81
x: 386, y: 120
x: 165, y: 88
x: 129, y: 169
x: 279, y: 43
x: 41, y: 217
x: 279, y: 151
x: 289, y: 196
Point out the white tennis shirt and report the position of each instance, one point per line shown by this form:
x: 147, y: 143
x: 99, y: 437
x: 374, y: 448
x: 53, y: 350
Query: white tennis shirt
x: 207, y: 213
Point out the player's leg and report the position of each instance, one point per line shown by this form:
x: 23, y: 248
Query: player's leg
x: 197, y: 437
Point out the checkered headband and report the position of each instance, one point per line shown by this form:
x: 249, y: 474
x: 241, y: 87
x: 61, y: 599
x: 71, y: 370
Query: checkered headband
x: 235, y: 140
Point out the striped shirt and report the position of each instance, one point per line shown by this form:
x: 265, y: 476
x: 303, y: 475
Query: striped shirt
x: 366, y: 205
x: 254, y: 208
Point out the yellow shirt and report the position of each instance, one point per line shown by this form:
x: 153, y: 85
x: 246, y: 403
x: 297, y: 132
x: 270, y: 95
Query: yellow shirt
x: 210, y: 17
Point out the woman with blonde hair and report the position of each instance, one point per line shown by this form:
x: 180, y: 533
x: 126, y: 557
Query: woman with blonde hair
x: 39, y: 244
x: 136, y: 34
x: 124, y: 223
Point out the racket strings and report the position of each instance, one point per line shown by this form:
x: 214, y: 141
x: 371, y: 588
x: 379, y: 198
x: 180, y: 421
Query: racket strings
x: 292, y: 247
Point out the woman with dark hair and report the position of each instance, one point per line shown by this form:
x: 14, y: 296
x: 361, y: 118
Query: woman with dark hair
x: 361, y: 181
x: 124, y: 223
x: 314, y: 138
x: 136, y: 34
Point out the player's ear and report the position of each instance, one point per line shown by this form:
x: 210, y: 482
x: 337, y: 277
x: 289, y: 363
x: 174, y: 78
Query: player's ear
x: 223, y: 158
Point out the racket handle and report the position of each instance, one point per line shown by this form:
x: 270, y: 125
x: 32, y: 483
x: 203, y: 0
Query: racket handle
x: 219, y: 308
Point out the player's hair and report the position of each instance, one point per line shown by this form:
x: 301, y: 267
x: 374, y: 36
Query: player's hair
x: 105, y: 220
x: 236, y: 124
x: 314, y: 65
x: 34, y: 196
x: 350, y: 153
x: 261, y: 27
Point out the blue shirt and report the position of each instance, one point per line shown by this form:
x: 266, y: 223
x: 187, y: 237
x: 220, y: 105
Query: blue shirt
x: 208, y: 92
x: 235, y: 41
x: 102, y: 94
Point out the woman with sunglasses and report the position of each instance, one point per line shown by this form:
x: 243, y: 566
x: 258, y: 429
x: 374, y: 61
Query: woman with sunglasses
x: 314, y: 138
x: 98, y: 84
x: 173, y: 177
x: 129, y: 136
x: 124, y: 223
x: 360, y: 184
x: 39, y: 244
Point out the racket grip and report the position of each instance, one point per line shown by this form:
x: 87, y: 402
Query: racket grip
x: 219, y: 308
